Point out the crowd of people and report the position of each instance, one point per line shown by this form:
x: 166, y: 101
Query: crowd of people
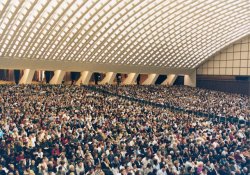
x: 189, y: 98
x: 71, y: 130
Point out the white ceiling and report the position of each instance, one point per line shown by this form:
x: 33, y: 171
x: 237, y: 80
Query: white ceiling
x: 107, y: 35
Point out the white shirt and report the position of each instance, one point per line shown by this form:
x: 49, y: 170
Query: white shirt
x: 161, y: 172
x: 40, y: 154
x: 79, y: 169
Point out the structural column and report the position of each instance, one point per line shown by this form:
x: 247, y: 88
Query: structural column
x: 131, y: 78
x: 58, y: 77
x: 151, y: 79
x: 109, y: 78
x: 27, y: 76
x: 170, y: 80
x: 190, y: 79
x: 85, y: 77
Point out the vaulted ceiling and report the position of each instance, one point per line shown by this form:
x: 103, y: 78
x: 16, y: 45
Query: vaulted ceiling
x: 111, y: 35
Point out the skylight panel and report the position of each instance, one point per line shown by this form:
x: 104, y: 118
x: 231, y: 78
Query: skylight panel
x: 147, y: 31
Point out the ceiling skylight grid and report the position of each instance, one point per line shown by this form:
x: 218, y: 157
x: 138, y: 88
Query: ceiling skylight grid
x: 151, y: 35
x: 128, y: 35
x: 67, y: 25
x: 100, y: 27
x: 180, y: 34
x: 63, y: 18
x: 38, y: 21
x: 79, y: 33
x: 31, y: 32
x: 109, y: 30
x: 5, y: 23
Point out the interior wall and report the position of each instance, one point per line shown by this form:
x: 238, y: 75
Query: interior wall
x: 233, y: 60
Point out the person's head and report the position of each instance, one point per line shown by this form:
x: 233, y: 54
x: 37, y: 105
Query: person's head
x: 98, y: 167
x: 60, y: 168
x: 189, y: 169
x: 138, y: 172
x: 204, y: 171
x: 237, y: 152
x: 71, y: 168
x: 62, y: 162
x: 80, y: 164
x: 62, y: 156
x: 28, y: 169
x: 11, y: 166
x: 92, y: 169
x: 106, y: 160
x: 132, y: 159
x: 116, y: 158
x: 155, y: 161
x: 123, y: 171
x: 237, y: 172
x: 89, y: 163
x: 163, y: 167
x: 149, y: 165
x: 245, y: 170
x: 43, y: 167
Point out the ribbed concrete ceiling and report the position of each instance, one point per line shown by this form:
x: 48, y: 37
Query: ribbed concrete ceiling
x: 155, y: 34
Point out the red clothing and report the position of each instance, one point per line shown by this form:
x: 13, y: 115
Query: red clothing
x: 20, y: 157
x: 55, y: 152
x: 65, y: 141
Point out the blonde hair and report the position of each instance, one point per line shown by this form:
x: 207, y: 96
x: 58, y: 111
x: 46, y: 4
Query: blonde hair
x: 71, y: 168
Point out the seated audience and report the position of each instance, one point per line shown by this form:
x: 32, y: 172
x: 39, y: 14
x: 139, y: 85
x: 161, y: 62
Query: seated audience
x: 72, y: 130
x: 189, y: 98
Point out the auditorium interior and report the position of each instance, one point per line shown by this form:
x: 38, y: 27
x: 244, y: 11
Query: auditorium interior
x: 124, y: 87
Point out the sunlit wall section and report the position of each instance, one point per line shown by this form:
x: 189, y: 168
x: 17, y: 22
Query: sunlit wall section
x: 233, y: 60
